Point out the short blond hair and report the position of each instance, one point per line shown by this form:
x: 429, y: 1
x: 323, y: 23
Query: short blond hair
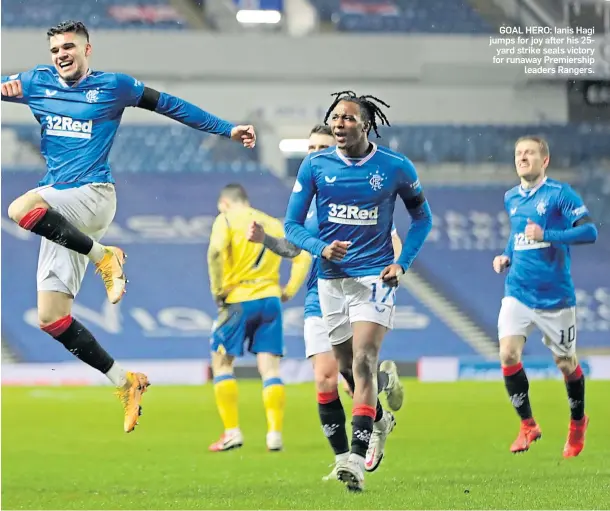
x: 543, y: 145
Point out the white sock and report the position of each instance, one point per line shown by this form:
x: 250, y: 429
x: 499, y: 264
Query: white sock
x: 339, y: 458
x: 117, y: 375
x: 96, y: 253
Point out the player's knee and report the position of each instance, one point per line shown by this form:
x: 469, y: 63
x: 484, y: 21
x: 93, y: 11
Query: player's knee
x: 221, y: 364
x: 47, y: 318
x: 326, y: 378
x: 268, y: 365
x: 510, y: 353
x: 567, y: 365
x: 365, y: 364
x: 23, y: 205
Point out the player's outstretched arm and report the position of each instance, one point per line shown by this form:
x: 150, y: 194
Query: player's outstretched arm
x: 280, y: 246
x: 421, y: 216
x: 296, y: 213
x: 134, y: 93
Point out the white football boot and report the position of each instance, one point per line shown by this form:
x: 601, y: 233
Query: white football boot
x: 381, y: 430
x: 351, y: 473
x: 395, y: 391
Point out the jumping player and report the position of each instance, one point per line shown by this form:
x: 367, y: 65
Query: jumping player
x: 546, y: 216
x: 79, y: 111
x: 245, y: 283
x: 355, y: 185
x: 318, y: 346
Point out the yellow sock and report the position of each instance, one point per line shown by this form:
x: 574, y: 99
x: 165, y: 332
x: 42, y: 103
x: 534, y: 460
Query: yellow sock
x: 225, y: 390
x: 274, y: 399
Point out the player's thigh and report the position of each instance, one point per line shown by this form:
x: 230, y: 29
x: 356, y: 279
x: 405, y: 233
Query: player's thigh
x: 90, y: 208
x: 372, y: 301
x: 52, y: 306
x: 334, y: 310
x: 558, y: 329
x: 268, y: 336
x: 515, y: 319
x: 229, y: 331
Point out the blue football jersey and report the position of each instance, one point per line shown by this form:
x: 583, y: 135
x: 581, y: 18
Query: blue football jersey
x: 354, y: 201
x: 312, y: 298
x: 539, y: 273
x: 78, y: 121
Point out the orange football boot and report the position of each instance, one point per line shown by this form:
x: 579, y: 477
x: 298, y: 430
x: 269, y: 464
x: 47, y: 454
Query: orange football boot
x: 131, y: 397
x: 576, y: 437
x: 111, y: 270
x: 528, y: 434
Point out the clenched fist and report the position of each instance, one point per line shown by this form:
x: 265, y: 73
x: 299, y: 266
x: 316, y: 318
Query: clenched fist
x: 533, y: 231
x: 336, y: 251
x: 244, y: 134
x: 12, y: 89
x: 255, y: 233
x: 500, y: 263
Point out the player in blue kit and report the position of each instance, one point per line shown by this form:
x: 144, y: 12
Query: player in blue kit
x: 546, y: 217
x: 318, y: 347
x: 79, y: 111
x: 355, y: 185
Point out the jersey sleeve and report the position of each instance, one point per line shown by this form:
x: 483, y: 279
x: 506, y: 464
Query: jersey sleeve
x: 571, y: 205
x: 128, y: 89
x: 412, y: 194
x: 296, y: 213
x: 26, y: 79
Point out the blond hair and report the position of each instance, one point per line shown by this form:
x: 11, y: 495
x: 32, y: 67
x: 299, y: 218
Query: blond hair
x: 543, y: 145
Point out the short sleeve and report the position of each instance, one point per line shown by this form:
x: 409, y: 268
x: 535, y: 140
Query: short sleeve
x: 129, y: 90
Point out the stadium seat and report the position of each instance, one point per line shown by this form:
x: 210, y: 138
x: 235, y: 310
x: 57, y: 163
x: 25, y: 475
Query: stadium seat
x: 410, y: 16
x: 106, y: 14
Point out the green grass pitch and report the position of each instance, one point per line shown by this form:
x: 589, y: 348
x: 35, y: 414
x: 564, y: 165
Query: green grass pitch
x: 64, y: 448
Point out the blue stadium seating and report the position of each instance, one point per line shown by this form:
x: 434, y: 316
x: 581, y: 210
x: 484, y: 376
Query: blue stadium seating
x: 107, y: 14
x: 176, y: 148
x: 571, y: 144
x: 410, y: 16
x: 166, y: 148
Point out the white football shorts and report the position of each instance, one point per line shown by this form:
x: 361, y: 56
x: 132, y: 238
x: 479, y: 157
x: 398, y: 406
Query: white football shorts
x: 316, y: 337
x: 91, y: 209
x: 558, y: 326
x: 347, y: 300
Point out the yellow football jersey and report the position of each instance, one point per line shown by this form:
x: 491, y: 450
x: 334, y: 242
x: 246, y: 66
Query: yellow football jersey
x: 249, y: 270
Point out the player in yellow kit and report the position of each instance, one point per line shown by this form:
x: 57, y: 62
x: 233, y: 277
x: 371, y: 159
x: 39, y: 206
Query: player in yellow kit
x: 245, y: 282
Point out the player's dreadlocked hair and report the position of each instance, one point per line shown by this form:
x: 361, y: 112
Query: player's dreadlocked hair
x: 368, y: 106
x: 70, y: 26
